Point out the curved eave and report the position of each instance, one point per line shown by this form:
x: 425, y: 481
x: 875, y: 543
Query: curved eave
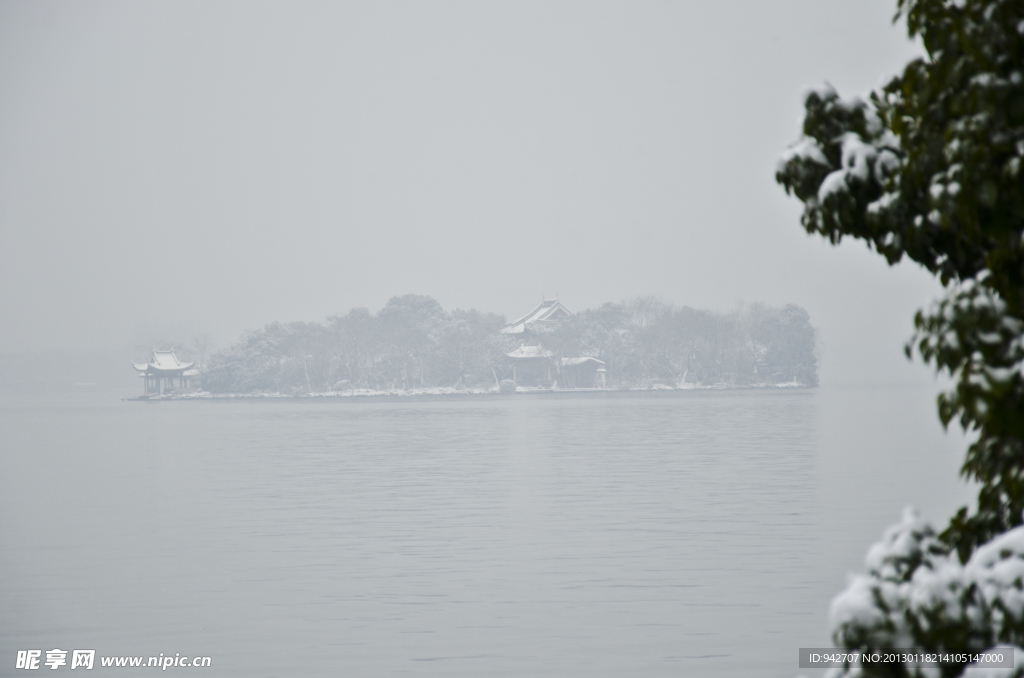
x: 153, y: 369
x: 584, y: 360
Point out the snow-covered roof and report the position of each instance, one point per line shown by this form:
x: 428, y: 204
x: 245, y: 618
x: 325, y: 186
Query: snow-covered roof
x: 163, y: 361
x: 530, y: 352
x: 582, y: 360
x: 549, y: 310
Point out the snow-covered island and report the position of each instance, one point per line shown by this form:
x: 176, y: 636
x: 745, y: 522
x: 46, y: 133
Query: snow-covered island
x: 414, y: 347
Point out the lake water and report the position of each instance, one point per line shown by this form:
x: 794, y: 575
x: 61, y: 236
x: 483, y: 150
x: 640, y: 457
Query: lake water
x: 610, y: 534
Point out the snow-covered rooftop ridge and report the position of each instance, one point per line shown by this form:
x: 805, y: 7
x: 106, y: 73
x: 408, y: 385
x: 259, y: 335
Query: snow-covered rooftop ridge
x: 581, y: 360
x: 163, y: 361
x: 530, y: 352
x: 540, y: 352
x: 549, y: 309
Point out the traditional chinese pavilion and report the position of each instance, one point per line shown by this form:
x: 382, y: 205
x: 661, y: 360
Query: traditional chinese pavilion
x: 539, y: 320
x: 584, y: 372
x: 533, y: 365
x: 161, y: 371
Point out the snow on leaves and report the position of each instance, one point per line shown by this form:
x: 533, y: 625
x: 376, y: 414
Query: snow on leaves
x: 929, y: 167
x: 972, y: 335
x: 917, y: 595
x: 944, y: 143
x: 846, y: 158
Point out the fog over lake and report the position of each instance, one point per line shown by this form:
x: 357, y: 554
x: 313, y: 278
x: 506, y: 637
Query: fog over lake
x: 177, y: 168
x: 201, y: 175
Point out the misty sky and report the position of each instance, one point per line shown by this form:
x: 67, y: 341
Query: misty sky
x: 217, y: 166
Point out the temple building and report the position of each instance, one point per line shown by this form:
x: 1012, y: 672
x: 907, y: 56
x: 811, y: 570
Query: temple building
x: 539, y: 320
x: 583, y: 372
x: 162, y: 369
x: 533, y: 365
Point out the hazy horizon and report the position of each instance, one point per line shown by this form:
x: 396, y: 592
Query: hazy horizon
x: 217, y: 167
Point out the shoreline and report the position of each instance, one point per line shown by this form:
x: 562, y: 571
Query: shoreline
x: 361, y: 393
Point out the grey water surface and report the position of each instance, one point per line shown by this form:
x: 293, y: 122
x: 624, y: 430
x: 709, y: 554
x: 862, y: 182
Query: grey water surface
x: 609, y: 534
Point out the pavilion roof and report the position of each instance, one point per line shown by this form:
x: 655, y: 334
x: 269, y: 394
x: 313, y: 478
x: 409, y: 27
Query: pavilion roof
x: 582, y: 360
x: 548, y: 311
x: 530, y: 352
x: 163, y: 361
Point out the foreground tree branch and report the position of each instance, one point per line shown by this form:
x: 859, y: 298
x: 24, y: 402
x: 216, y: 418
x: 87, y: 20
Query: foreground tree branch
x: 929, y: 168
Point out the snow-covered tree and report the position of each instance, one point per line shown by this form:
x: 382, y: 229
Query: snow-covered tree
x: 413, y: 342
x: 929, y: 167
x: 917, y: 594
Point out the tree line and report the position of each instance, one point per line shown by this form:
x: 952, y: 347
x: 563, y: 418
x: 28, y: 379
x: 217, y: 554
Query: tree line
x: 412, y: 342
